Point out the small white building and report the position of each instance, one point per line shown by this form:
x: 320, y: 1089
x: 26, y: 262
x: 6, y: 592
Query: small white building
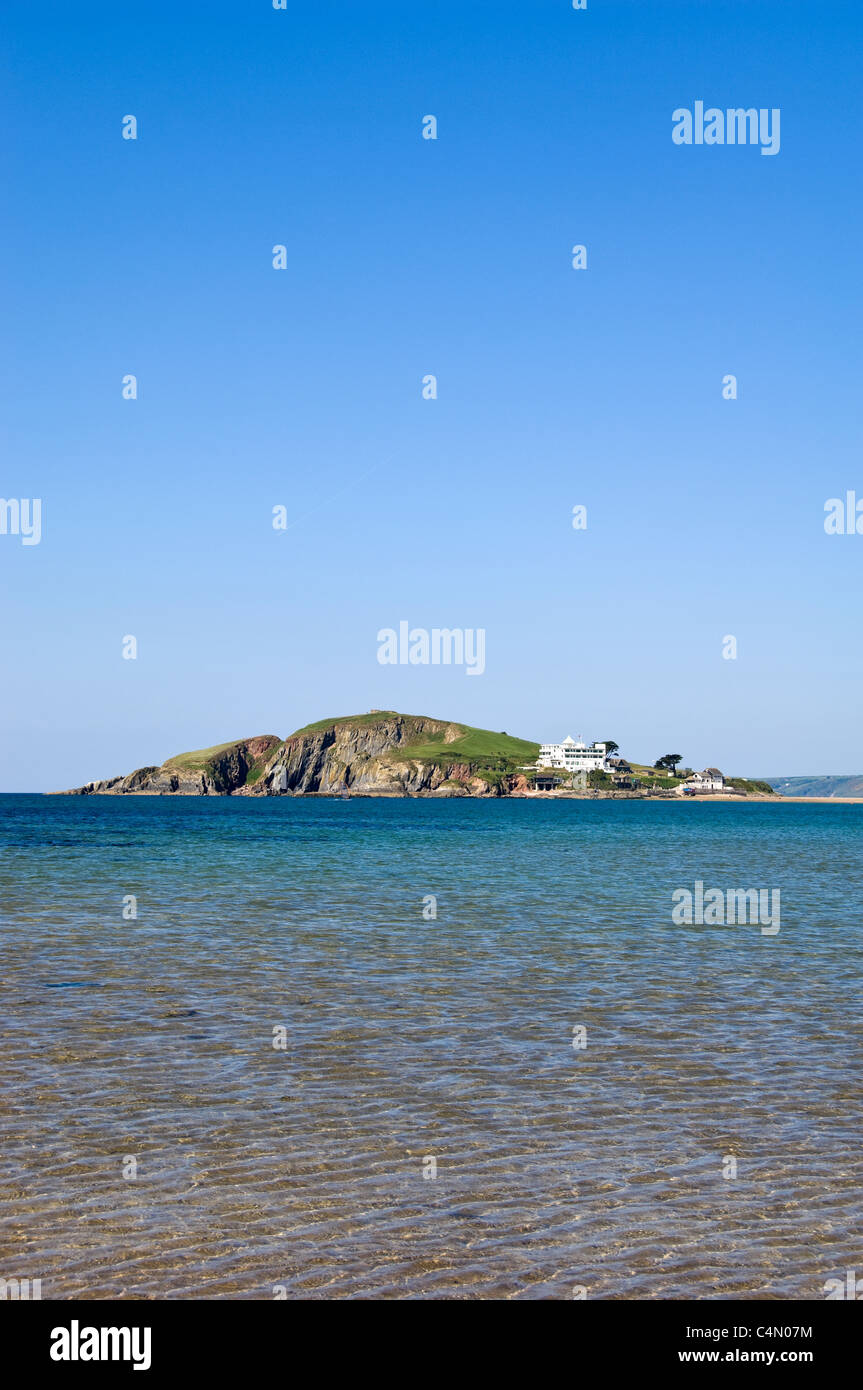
x: 710, y: 780
x: 572, y: 756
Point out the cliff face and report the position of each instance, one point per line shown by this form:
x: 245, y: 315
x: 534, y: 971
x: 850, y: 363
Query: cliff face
x: 219, y: 772
x: 364, y: 754
x: 365, y: 758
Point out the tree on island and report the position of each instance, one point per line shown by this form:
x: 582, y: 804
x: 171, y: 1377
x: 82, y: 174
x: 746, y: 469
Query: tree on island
x: 668, y: 762
x: 611, y: 747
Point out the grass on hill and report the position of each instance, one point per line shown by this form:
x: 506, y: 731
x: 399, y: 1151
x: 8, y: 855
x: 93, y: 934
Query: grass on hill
x: 363, y: 719
x: 653, y: 776
x: 202, y: 759
x: 482, y: 747
x: 749, y: 784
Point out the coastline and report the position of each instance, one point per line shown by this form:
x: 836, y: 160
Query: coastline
x: 561, y: 794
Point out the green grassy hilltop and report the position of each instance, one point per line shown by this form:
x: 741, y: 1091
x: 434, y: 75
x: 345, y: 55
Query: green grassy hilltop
x: 434, y: 741
x: 476, y: 746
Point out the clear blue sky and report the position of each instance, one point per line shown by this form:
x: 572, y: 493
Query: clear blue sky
x: 556, y: 387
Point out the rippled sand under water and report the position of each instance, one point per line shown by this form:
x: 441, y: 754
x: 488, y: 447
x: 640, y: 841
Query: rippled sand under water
x: 406, y: 1039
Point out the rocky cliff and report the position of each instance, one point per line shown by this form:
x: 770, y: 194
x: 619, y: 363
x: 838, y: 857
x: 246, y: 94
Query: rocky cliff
x: 382, y: 753
x: 211, y: 772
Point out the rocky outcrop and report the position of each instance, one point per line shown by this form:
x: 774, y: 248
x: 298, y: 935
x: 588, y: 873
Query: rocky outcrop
x: 217, y: 772
x: 363, y: 758
x: 366, y: 755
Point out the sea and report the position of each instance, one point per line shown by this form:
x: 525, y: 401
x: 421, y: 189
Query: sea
x: 285, y: 1048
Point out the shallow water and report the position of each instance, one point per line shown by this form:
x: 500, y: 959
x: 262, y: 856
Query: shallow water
x: 407, y: 1039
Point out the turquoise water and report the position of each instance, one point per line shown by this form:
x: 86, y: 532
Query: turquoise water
x: 408, y: 1039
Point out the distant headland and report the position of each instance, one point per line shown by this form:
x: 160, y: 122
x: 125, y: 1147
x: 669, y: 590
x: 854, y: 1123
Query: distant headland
x: 384, y: 753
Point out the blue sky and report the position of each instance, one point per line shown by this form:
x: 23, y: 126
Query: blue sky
x: 302, y: 387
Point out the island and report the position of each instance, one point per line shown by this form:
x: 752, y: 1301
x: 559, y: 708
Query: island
x: 384, y: 753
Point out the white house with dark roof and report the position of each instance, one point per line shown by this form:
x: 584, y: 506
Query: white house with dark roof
x: 710, y: 780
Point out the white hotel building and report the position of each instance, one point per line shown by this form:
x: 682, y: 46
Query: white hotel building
x: 574, y: 757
